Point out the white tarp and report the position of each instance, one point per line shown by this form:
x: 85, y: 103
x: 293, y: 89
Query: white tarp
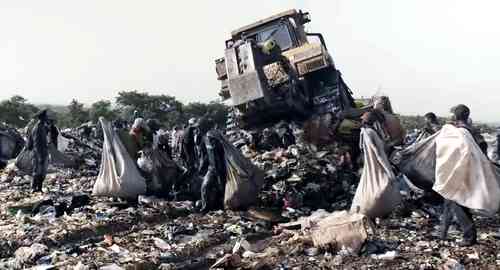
x: 463, y: 173
x: 118, y: 175
x: 378, y: 190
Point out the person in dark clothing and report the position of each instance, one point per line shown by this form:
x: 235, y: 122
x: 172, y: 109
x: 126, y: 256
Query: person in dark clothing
x: 37, y: 142
x: 119, y: 124
x: 269, y: 140
x: 188, y: 146
x: 53, y: 132
x: 214, y: 166
x: 461, y: 112
x: 432, y: 124
x: 153, y: 128
x: 160, y: 141
x: 286, y: 135
x: 85, y: 130
x: 463, y: 215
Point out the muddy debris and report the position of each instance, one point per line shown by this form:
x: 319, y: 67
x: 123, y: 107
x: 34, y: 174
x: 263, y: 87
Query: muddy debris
x: 294, y: 225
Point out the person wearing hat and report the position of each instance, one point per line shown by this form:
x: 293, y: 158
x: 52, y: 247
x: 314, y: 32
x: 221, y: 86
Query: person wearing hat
x: 463, y: 215
x: 38, y: 143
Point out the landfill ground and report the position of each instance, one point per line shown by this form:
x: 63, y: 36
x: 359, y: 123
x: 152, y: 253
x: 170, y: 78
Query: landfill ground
x: 169, y: 235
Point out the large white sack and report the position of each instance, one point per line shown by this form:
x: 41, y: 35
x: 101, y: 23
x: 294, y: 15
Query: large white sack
x: 118, y: 175
x: 463, y: 173
x: 62, y: 142
x: 418, y: 162
x: 378, y: 190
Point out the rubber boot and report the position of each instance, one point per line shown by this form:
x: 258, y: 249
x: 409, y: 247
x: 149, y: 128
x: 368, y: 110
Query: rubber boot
x: 469, y: 229
x: 37, y: 183
x: 446, y: 218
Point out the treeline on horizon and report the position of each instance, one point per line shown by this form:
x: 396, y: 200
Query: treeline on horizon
x: 17, y: 111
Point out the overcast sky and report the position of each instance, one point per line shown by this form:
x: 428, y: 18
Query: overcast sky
x: 426, y: 55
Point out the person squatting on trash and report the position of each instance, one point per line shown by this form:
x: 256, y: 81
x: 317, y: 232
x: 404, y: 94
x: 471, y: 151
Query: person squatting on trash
x: 38, y: 143
x: 213, y: 165
x: 463, y: 215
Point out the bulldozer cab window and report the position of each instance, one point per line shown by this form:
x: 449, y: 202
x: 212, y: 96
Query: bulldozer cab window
x: 279, y: 33
x: 314, y: 39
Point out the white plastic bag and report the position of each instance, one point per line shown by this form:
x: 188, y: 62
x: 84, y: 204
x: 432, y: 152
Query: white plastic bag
x: 62, y: 142
x: 463, y: 173
x: 418, y: 162
x: 378, y: 190
x: 118, y: 175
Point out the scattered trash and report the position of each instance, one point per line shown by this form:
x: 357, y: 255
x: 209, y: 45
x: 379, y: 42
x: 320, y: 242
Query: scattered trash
x: 452, y: 264
x: 159, y: 243
x: 342, y: 229
x: 111, y: 267
x: 388, y: 256
x: 25, y: 255
x: 296, y: 220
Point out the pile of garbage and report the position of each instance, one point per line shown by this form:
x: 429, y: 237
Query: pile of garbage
x: 157, y: 234
x: 297, y: 223
x: 302, y: 178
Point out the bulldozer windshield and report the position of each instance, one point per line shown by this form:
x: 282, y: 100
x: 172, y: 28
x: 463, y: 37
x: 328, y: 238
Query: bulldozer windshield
x: 279, y: 33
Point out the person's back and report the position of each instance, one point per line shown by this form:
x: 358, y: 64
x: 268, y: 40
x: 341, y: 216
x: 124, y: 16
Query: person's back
x: 394, y: 129
x: 38, y: 143
x: 214, y: 166
x: 476, y: 134
x: 391, y: 123
x: 188, y: 150
x: 39, y: 137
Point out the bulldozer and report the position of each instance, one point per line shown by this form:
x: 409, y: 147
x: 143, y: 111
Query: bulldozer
x: 273, y: 70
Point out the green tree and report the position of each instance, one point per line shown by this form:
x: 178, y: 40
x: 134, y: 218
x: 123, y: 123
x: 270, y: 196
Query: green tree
x: 215, y: 110
x: 165, y: 108
x: 102, y: 108
x: 77, y: 113
x: 17, y: 111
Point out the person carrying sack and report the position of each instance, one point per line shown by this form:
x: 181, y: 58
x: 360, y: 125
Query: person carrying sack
x: 460, y: 118
x: 377, y: 193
